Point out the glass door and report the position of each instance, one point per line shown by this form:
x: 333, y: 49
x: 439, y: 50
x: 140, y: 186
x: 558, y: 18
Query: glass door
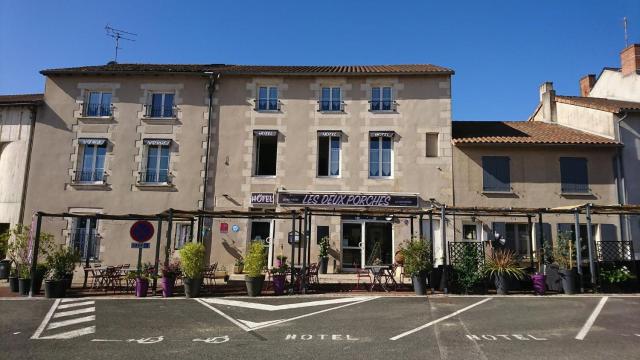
x: 378, y: 244
x: 352, y: 245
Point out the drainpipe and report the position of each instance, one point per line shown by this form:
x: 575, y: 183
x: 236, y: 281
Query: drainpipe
x: 25, y: 182
x: 622, y: 191
x: 213, y: 79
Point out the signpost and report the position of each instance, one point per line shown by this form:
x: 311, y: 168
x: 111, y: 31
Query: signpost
x: 141, y: 232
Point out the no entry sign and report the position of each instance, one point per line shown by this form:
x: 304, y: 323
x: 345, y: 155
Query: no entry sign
x: 141, y: 231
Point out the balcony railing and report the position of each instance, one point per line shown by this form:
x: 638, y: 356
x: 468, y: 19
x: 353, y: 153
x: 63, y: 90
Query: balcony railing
x: 97, y: 110
x: 89, y: 176
x: 331, y: 106
x: 383, y: 106
x: 268, y: 105
x: 151, y: 111
x: 575, y: 188
x: 161, y: 177
x: 86, y: 242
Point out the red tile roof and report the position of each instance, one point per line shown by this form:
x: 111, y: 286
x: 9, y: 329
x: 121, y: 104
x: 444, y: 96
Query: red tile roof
x: 21, y: 99
x: 603, y: 104
x: 521, y: 132
x: 415, y: 69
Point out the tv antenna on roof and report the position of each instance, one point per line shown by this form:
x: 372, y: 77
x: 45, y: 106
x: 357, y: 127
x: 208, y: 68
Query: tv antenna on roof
x: 118, y: 35
x: 626, y: 33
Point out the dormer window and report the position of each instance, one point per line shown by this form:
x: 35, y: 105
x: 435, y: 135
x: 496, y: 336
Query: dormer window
x: 268, y: 99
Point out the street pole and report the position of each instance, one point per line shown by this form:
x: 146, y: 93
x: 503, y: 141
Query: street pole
x: 293, y: 234
x: 34, y: 256
x: 578, y: 248
x: 443, y: 234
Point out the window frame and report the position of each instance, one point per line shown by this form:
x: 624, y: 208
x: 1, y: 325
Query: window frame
x: 158, y: 169
x: 380, y: 152
x: 149, y: 113
x: 330, y: 101
x: 330, y: 157
x: 94, y: 159
x: 381, y: 99
x: 181, y: 227
x: 85, y: 112
x: 508, y: 188
x: 574, y: 188
x: 256, y: 155
x: 268, y: 99
x: 437, y: 143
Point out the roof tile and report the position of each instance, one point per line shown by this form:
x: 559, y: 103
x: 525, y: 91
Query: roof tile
x: 603, y: 104
x: 18, y: 99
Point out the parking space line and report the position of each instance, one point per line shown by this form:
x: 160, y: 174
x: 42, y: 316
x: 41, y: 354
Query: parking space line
x: 46, y: 319
x: 592, y: 319
x: 455, y: 313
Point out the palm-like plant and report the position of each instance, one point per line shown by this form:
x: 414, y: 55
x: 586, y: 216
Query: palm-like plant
x: 502, y: 262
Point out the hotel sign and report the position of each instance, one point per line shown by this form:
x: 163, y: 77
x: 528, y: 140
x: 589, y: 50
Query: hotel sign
x: 262, y: 199
x: 346, y: 199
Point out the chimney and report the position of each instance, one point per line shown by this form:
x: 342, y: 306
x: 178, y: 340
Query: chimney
x: 630, y: 59
x: 548, y: 100
x: 586, y: 84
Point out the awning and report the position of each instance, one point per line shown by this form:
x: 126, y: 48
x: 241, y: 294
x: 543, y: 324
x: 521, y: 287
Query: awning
x: 161, y: 142
x: 328, y: 133
x: 265, y: 132
x: 388, y: 134
x: 94, y: 141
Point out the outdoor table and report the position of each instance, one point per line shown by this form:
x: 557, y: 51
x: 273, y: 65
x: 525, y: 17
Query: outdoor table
x: 379, y: 272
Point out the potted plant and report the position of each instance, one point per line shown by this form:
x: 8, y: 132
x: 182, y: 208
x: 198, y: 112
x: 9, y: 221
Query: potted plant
x: 614, y: 278
x: 41, y: 272
x: 24, y: 278
x: 238, y: 267
x: 562, y: 256
x: 13, y: 280
x: 54, y: 285
x: 399, y: 258
x: 467, y: 272
x: 417, y: 263
x: 501, y: 265
x: 278, y: 274
x: 323, y: 255
x: 192, y: 265
x: 170, y: 272
x: 18, y: 251
x: 254, y: 263
x: 5, y: 264
x: 142, y: 278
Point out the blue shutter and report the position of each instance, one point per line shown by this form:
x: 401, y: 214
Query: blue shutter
x: 496, y: 173
x: 573, y: 175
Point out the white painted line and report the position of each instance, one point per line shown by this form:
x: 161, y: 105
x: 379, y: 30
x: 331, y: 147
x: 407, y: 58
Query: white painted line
x: 439, y: 320
x: 592, y: 319
x: 72, y: 334
x: 74, y: 312
x: 66, y: 300
x: 267, y: 307
x: 59, y: 324
x: 237, y: 323
x: 104, y: 340
x: 76, y: 304
x: 46, y: 319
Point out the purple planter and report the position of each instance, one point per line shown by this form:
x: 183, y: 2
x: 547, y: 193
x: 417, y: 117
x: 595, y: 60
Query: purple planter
x: 167, y: 286
x: 142, y: 286
x: 278, y: 284
x: 539, y: 283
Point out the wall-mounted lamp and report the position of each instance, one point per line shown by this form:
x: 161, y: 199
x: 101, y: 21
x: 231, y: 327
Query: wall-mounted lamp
x: 388, y: 217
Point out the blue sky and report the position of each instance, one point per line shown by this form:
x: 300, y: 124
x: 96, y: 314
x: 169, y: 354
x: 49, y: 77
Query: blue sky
x: 501, y: 50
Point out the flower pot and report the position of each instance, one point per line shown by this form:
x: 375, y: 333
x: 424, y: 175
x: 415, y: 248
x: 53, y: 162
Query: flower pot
x: 68, y: 280
x: 502, y: 284
x: 539, y: 286
x: 142, y: 286
x: 24, y: 286
x: 569, y: 280
x: 192, y: 287
x: 399, y: 257
x: 254, y: 285
x: 237, y: 269
x: 419, y: 282
x: 54, y: 289
x: 278, y: 284
x: 167, y: 286
x: 5, y: 266
x: 226, y: 278
x: 38, y: 279
x: 324, y: 263
x: 13, y: 284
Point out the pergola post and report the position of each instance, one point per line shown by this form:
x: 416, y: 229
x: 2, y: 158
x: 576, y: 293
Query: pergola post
x: 199, y: 233
x: 309, y: 238
x: 443, y: 234
x: 592, y: 265
x: 431, y: 240
x: 303, y: 242
x: 578, y: 248
x: 530, y: 230
x: 191, y: 230
x: 420, y: 230
x: 541, y: 240
x: 299, y: 240
x: 157, y: 258
x: 411, y: 218
x: 293, y: 234
x: 34, y: 254
x: 169, y: 230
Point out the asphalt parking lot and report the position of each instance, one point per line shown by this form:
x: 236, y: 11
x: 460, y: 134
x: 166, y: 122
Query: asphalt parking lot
x: 365, y: 327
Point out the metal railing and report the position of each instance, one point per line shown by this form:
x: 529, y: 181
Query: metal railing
x: 151, y: 111
x: 614, y: 251
x: 383, y: 106
x: 331, y: 106
x: 268, y: 105
x: 89, y: 176
x: 86, y: 242
x: 97, y: 110
x: 458, y: 250
x: 155, y: 177
x: 575, y: 188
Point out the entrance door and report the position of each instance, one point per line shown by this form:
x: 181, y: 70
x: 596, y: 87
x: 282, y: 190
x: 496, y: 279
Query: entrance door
x: 352, y: 245
x: 262, y: 230
x: 378, y: 244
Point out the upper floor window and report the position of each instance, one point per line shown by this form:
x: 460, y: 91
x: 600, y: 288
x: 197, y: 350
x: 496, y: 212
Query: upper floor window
x: 382, y: 99
x: 331, y: 99
x: 156, y: 170
x: 496, y: 175
x: 161, y: 106
x: 266, y: 152
x: 268, y: 98
x: 574, y: 175
x: 432, y: 145
x: 380, y: 154
x: 97, y: 104
x: 328, y: 153
x: 91, y: 164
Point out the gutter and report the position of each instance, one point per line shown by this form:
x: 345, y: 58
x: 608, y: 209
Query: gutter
x: 622, y: 188
x: 25, y: 182
x: 213, y: 78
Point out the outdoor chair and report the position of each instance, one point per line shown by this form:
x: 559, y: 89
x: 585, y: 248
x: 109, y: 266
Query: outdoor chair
x: 89, y: 275
x: 361, y: 274
x: 312, y: 274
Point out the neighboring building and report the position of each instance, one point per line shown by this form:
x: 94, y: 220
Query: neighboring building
x: 17, y: 116
x: 126, y: 138
x: 531, y: 165
x: 609, y: 106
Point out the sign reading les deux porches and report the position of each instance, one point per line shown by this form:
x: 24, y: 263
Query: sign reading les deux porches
x: 262, y: 198
x: 347, y: 199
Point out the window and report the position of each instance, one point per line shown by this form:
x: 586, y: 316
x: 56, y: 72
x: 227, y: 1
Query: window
x: 84, y: 238
x: 516, y: 238
x: 380, y: 156
x: 157, y: 164
x: 382, y: 99
x: 260, y: 230
x: 322, y: 231
x: 469, y: 232
x: 328, y: 155
x: 330, y: 99
x: 432, y: 145
x: 268, y: 98
x: 161, y: 106
x: 266, y: 152
x: 98, y: 104
x: 496, y: 174
x: 91, y: 165
x: 182, y: 235
x: 573, y: 174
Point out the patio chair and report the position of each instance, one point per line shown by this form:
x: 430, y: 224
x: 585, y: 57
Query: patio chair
x: 312, y: 275
x: 362, y: 274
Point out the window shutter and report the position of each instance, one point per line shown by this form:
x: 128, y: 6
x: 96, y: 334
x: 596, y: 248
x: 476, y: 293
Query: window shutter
x: 496, y: 173
x: 573, y: 175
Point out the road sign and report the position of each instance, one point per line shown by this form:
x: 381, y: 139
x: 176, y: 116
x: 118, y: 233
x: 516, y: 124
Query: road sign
x: 138, y: 245
x: 141, y: 231
x: 295, y: 236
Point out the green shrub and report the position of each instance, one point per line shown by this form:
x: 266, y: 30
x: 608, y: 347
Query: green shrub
x: 62, y: 261
x: 468, y: 271
x: 417, y: 257
x: 256, y: 259
x: 192, y: 260
x: 324, y: 247
x: 615, y: 275
x: 502, y: 262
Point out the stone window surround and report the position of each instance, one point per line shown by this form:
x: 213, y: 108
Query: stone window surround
x: 141, y: 159
x: 345, y: 89
x: 68, y: 230
x: 76, y: 156
x: 86, y: 88
x: 268, y: 83
x: 151, y: 88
